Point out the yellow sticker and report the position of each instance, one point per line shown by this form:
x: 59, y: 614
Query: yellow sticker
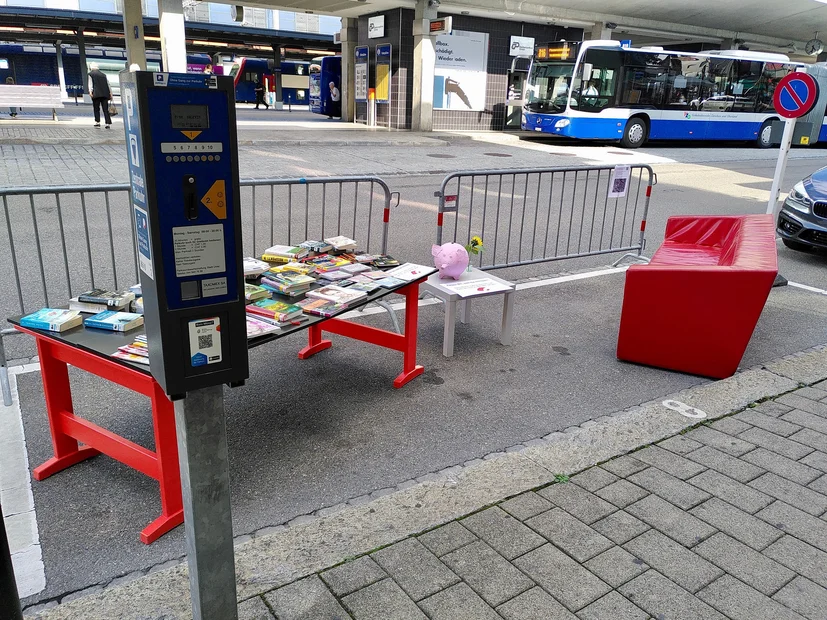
x: 805, y: 139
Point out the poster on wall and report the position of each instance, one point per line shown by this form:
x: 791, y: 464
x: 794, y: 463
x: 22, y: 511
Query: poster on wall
x: 383, y: 73
x: 461, y: 71
x: 360, y: 74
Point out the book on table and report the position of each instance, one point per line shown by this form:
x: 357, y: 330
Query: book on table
x: 254, y: 267
x: 288, y: 252
x: 390, y: 282
x: 111, y: 299
x: 131, y: 357
x: 114, y: 321
x: 136, y: 352
x: 409, y: 271
x: 275, y: 309
x: 367, y: 287
x: 332, y: 263
x: 321, y: 307
x: 338, y: 294
x: 333, y: 276
x: 316, y: 247
x: 341, y: 243
x: 52, y: 319
x: 256, y: 327
x: 355, y: 268
x: 291, y: 268
x: 383, y: 260
x: 254, y: 293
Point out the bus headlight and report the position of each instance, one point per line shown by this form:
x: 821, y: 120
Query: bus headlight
x: 523, y: 119
x: 799, y: 199
x: 563, y: 122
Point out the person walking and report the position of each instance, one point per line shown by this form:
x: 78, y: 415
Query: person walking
x: 335, y: 108
x: 260, y: 95
x: 12, y: 110
x: 101, y: 95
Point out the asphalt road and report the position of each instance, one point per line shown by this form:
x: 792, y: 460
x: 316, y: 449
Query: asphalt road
x: 305, y: 435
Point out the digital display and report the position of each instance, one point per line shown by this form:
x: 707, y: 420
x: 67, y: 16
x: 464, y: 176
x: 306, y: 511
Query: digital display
x: 559, y: 50
x: 190, y: 116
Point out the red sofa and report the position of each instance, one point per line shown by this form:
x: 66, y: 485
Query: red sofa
x: 694, y: 307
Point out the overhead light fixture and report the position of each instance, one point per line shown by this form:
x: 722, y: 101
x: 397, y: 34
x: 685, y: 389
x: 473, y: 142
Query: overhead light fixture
x: 90, y: 33
x: 210, y: 43
x: 71, y: 32
x: 148, y: 38
x: 12, y: 29
x: 469, y: 12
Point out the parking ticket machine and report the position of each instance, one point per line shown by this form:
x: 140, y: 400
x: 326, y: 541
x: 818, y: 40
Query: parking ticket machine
x: 183, y: 166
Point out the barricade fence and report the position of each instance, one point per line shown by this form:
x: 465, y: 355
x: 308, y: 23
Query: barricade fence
x: 527, y: 216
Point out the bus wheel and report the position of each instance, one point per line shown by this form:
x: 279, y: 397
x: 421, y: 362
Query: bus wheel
x: 634, y: 135
x: 764, y: 139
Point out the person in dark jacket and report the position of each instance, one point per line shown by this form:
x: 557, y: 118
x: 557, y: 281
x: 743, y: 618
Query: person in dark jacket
x: 260, y: 95
x: 101, y: 95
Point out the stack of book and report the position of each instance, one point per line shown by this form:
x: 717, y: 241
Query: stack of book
x: 99, y: 299
x: 341, y: 243
x: 281, y: 311
x: 321, y: 307
x: 258, y: 327
x: 136, y: 352
x: 254, y: 293
x: 316, y: 247
x: 52, y: 319
x: 290, y: 284
x: 284, y: 253
x: 338, y: 294
x: 254, y: 267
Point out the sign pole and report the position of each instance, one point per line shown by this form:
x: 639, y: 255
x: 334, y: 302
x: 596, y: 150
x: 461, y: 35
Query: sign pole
x: 205, y: 485
x: 781, y: 165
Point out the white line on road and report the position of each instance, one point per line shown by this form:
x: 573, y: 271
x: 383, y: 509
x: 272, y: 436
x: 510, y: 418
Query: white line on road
x: 805, y: 287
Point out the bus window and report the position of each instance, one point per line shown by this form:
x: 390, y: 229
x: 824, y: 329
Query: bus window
x: 234, y: 71
x: 747, y: 85
x: 596, y: 80
x: 645, y: 77
x: 548, y: 87
x: 685, y: 83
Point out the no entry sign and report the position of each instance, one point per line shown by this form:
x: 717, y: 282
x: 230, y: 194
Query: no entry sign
x: 795, y: 95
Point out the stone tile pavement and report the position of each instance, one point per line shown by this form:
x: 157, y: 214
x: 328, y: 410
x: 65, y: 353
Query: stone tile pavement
x: 726, y: 520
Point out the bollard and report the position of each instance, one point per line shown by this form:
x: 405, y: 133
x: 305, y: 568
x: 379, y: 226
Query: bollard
x: 371, y: 107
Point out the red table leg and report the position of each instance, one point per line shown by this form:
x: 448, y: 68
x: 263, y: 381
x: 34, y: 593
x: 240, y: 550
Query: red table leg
x: 314, y: 342
x: 410, y: 369
x: 58, y: 395
x: 169, y: 474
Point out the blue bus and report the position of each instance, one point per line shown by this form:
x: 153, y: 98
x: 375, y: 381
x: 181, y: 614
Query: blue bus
x: 295, y: 79
x: 323, y: 71
x: 600, y: 90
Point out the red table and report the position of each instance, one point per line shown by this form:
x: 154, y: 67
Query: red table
x: 90, y: 350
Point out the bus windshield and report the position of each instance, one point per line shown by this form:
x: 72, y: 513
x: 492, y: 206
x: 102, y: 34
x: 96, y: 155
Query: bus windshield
x: 548, y: 86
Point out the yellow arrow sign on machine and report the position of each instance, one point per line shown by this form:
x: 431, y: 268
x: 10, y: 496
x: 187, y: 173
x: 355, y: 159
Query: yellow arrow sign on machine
x: 215, y: 200
x: 192, y: 135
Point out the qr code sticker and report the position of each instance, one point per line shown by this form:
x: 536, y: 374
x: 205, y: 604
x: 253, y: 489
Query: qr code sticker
x: 619, y: 186
x: 205, y: 342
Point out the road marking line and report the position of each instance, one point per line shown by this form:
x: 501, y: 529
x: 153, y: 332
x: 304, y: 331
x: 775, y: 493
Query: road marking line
x: 806, y: 287
x: 16, y: 496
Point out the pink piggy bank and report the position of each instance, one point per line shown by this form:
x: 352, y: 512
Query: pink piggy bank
x: 451, y: 259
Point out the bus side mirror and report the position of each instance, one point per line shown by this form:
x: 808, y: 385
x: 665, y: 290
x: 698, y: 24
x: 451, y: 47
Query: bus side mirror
x: 587, y: 70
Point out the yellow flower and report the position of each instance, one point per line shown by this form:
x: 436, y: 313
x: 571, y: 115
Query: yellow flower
x: 476, y: 241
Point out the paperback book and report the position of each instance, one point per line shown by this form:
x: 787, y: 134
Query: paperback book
x: 341, y: 243
x: 276, y: 309
x: 383, y: 260
x: 409, y: 271
x: 113, y: 300
x: 285, y: 252
x: 321, y: 307
x: 256, y: 327
x: 254, y: 267
x: 338, y: 294
x: 52, y: 319
x: 114, y: 321
x: 254, y: 293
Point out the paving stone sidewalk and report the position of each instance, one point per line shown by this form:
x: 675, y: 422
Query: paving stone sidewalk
x: 727, y: 520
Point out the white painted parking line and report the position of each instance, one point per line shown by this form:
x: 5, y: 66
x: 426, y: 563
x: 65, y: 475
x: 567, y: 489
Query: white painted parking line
x: 806, y: 287
x: 16, y: 494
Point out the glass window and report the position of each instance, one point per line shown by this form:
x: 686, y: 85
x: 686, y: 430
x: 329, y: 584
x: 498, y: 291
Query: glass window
x: 771, y: 73
x: 594, y: 85
x: 548, y: 87
x: 645, y: 78
x: 746, y: 84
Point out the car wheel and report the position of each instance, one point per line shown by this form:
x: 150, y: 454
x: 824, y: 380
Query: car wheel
x: 764, y: 139
x: 634, y: 135
x: 796, y: 245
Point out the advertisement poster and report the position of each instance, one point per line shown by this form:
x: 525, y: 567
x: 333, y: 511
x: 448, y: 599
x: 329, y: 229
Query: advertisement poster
x: 383, y: 73
x: 461, y: 71
x: 360, y: 74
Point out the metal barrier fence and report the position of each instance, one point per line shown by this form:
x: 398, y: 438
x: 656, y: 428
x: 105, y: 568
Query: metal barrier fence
x: 538, y: 215
x: 60, y: 241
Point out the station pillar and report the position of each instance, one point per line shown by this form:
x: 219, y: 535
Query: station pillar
x: 133, y: 31
x: 349, y: 37
x: 599, y: 32
x: 173, y: 40
x: 61, y: 74
x: 278, y: 104
x: 84, y: 68
x: 423, y: 70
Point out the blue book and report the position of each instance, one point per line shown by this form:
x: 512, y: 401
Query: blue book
x: 52, y: 319
x: 114, y: 321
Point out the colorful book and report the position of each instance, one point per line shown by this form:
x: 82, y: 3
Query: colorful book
x: 338, y: 294
x: 254, y: 267
x: 390, y: 282
x: 332, y: 264
x: 409, y: 272
x: 131, y: 357
x: 368, y: 287
x: 114, y: 300
x: 291, y: 268
x: 254, y: 293
x: 52, y: 319
x: 341, y: 243
x: 114, y: 321
x: 374, y: 275
x: 383, y: 260
x: 355, y: 268
x: 276, y: 309
x: 364, y: 258
x: 316, y: 247
x: 288, y: 252
x: 256, y: 327
x: 332, y: 276
x: 321, y: 307
x: 132, y: 349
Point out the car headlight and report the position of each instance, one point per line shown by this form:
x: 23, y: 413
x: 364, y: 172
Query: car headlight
x: 799, y: 199
x: 563, y: 122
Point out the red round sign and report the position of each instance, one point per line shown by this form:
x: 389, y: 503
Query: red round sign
x: 795, y: 95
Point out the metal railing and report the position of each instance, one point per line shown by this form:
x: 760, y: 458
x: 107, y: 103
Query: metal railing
x: 528, y: 216
x: 56, y: 242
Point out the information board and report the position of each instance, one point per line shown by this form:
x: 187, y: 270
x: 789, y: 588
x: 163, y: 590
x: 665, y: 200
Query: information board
x: 461, y: 71
x: 360, y: 74
x: 383, y: 73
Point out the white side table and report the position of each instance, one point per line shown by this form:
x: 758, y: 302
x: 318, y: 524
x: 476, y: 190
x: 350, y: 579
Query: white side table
x: 435, y: 286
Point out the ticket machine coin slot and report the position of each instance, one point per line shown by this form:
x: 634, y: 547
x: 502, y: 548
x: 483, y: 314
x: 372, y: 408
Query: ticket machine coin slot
x: 190, y: 198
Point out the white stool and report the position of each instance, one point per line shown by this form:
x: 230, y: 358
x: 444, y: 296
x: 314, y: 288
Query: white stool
x: 434, y: 285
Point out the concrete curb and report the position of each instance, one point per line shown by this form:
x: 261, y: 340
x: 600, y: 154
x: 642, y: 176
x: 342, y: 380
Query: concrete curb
x: 312, y: 543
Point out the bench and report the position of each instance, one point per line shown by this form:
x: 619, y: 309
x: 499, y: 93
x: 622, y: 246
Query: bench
x: 694, y: 307
x: 18, y: 96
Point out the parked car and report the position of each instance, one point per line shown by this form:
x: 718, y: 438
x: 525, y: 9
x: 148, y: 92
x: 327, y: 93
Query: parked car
x: 802, y: 221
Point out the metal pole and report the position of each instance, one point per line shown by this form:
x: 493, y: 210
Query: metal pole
x: 781, y: 166
x: 9, y: 598
x: 205, y: 484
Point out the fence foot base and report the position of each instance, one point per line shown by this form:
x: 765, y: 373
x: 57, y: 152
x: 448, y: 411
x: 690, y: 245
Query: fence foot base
x: 632, y: 257
x: 406, y: 376
x: 161, y: 526
x: 311, y: 350
x: 59, y: 463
